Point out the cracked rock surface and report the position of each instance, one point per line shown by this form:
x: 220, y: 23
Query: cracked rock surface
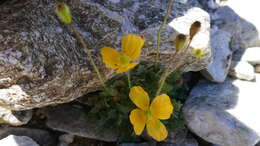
x: 42, y: 63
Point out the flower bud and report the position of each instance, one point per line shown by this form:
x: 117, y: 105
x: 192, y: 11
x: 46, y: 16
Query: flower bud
x: 63, y: 12
x: 180, y: 41
x: 195, y: 28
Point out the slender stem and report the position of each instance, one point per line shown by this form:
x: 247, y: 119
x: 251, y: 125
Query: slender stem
x: 162, y: 82
x: 129, y: 79
x: 164, y: 76
x: 184, y: 55
x: 168, y: 70
x: 160, y: 29
x: 189, y: 64
x: 82, y: 42
x: 187, y: 48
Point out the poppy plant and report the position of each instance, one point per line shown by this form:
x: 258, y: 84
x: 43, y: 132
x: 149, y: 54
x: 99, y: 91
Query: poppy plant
x: 149, y: 115
x: 121, y: 61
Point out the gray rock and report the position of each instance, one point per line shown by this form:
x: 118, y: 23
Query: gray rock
x: 114, y: 1
x: 212, y: 4
x: 134, y: 144
x: 66, y: 139
x: 13, y: 140
x: 181, y: 25
x: 242, y: 70
x: 251, y: 55
x: 42, y: 137
x: 251, y: 27
x: 218, y: 70
x: 186, y: 142
x: 209, y: 4
x: 176, y: 137
x: 14, y: 118
x: 258, y: 144
x: 181, y: 138
x: 243, y: 31
x: 43, y: 64
x: 257, y: 68
x: 223, y: 113
x: 74, y: 120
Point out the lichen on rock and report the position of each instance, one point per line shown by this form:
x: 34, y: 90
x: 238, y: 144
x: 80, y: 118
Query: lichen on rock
x: 42, y: 63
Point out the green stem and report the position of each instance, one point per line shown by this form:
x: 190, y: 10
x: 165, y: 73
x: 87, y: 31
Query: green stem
x: 168, y: 71
x: 82, y: 42
x: 162, y: 81
x: 129, y: 79
x: 160, y: 29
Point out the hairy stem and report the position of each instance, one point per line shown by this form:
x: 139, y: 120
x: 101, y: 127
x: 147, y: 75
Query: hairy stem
x: 169, y: 69
x: 129, y: 79
x: 86, y: 50
x: 162, y: 81
x: 160, y: 29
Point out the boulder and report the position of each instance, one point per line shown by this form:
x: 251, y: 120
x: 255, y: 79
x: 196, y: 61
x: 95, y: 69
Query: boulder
x: 181, y: 25
x: 66, y: 140
x: 14, y: 118
x: 74, y: 121
x: 243, y: 31
x: 217, y: 71
x: 134, y: 144
x: 223, y: 113
x: 42, y: 63
x: 186, y: 142
x: 209, y: 5
x: 13, y: 140
x: 242, y: 70
x: 249, y: 24
x: 42, y: 137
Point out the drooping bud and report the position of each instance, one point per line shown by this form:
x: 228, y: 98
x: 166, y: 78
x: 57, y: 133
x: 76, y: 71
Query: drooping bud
x: 180, y: 41
x: 63, y: 12
x: 194, y: 28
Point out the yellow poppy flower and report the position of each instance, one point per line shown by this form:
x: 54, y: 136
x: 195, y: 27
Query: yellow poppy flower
x: 121, y: 60
x: 149, y: 115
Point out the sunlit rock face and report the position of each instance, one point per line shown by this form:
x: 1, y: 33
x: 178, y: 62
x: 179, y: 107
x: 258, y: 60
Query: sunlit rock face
x: 41, y: 62
x: 225, y: 114
x: 242, y: 70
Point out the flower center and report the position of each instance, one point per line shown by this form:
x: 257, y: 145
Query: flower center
x: 124, y: 60
x: 148, y: 114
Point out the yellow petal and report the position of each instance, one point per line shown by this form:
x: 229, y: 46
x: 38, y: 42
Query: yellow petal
x: 126, y: 68
x: 139, y: 97
x: 110, y: 57
x: 138, y: 120
x: 161, y: 107
x: 131, y: 45
x: 156, y: 129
